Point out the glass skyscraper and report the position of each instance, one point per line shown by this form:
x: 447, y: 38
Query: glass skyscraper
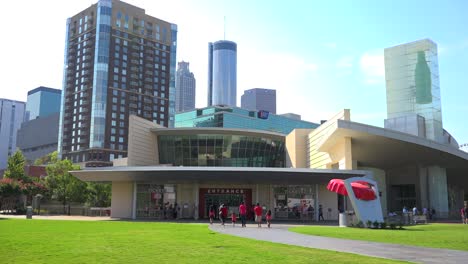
x: 222, y: 73
x: 412, y: 81
x: 235, y: 117
x: 11, y: 117
x: 119, y: 62
x: 42, y: 102
x: 185, y: 88
x: 259, y: 99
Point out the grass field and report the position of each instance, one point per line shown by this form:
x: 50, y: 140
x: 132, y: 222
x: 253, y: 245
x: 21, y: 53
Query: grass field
x: 48, y: 241
x: 450, y: 236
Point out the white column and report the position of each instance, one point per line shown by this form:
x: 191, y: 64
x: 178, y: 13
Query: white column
x: 134, y: 202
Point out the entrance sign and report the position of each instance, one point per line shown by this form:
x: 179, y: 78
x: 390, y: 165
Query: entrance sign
x: 225, y: 191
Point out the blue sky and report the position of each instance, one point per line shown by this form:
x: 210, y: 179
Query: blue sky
x: 321, y: 56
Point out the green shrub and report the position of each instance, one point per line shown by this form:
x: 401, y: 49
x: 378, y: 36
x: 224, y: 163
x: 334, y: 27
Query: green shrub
x: 393, y: 226
x: 376, y: 224
x: 360, y: 224
x: 383, y: 225
x: 369, y: 224
x: 400, y: 225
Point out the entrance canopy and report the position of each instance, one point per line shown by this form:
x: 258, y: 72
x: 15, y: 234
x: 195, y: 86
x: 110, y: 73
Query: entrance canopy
x: 245, y: 175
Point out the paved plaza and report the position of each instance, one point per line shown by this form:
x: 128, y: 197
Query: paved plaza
x: 280, y: 234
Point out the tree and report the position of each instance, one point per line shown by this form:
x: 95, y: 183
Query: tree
x: 46, y: 159
x: 99, y: 194
x: 62, y: 185
x: 15, y: 167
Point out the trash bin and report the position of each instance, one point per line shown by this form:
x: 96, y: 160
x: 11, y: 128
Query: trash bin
x: 29, y: 212
x: 342, y: 220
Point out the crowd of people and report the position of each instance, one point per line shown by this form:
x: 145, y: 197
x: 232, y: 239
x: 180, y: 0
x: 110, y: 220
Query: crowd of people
x: 243, y: 215
x: 256, y: 214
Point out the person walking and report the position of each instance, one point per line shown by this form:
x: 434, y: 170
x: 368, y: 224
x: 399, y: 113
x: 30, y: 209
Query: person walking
x: 321, y: 212
x: 268, y: 218
x: 211, y: 214
x: 462, y: 214
x: 222, y: 213
x: 465, y: 213
x: 243, y: 213
x: 258, y: 214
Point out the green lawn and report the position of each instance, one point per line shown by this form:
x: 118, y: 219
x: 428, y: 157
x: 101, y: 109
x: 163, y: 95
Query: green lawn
x: 451, y: 236
x: 48, y: 241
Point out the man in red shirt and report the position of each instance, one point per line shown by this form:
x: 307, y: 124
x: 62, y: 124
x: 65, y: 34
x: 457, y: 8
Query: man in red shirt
x: 243, y: 213
x: 258, y: 214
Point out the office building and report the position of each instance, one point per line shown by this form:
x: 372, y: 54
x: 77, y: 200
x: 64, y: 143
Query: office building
x: 235, y: 117
x: 185, y: 88
x: 38, y: 137
x: 413, y: 90
x: 119, y: 61
x: 222, y: 73
x: 11, y: 117
x: 259, y: 99
x: 41, y: 102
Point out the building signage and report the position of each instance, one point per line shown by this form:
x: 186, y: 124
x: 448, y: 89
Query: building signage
x: 225, y: 191
x: 262, y: 114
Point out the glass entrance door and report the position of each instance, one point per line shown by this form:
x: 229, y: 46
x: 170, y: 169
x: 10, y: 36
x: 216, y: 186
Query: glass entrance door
x: 232, y: 201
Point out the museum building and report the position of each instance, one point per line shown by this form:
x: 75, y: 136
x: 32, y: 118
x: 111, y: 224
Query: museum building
x: 191, y: 169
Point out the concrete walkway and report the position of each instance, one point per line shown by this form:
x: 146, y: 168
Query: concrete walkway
x: 280, y: 234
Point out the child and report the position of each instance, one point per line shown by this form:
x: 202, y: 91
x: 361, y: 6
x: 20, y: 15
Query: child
x: 233, y: 219
x: 268, y: 218
x: 212, y: 214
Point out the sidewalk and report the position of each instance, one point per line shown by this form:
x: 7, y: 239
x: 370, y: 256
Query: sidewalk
x: 280, y: 234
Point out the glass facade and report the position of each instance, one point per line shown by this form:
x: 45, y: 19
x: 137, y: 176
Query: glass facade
x: 294, y: 201
x: 412, y: 80
x: 234, y: 117
x: 42, y: 101
x: 155, y: 201
x: 222, y: 74
x: 64, y: 91
x: 101, y: 73
x: 172, y: 71
x: 221, y: 150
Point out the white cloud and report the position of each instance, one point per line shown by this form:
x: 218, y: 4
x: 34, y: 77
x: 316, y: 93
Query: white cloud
x: 373, y: 67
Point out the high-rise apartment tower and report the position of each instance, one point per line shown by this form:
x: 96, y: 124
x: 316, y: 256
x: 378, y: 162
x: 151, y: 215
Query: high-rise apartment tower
x: 119, y: 62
